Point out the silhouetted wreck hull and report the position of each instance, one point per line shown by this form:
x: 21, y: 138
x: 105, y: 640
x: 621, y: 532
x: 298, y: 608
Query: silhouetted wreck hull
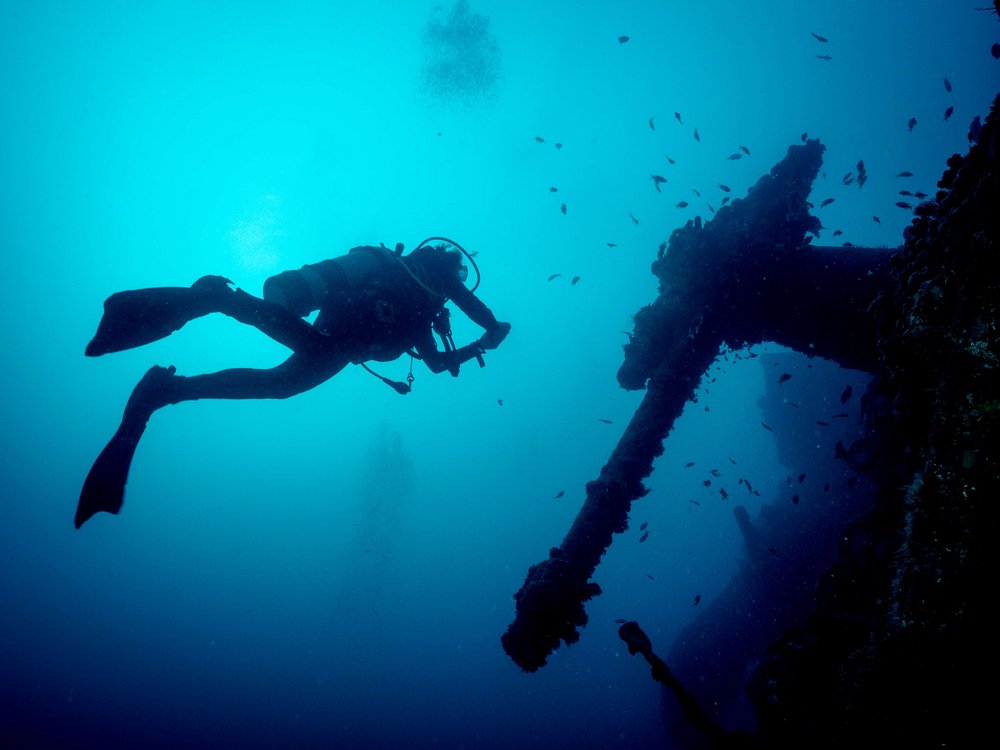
x: 901, y: 618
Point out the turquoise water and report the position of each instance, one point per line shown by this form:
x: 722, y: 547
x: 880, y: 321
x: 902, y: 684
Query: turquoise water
x: 335, y: 570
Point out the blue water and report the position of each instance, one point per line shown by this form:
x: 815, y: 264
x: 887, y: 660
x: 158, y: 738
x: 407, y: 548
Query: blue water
x: 335, y: 570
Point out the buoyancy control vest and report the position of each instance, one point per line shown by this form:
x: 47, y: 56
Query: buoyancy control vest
x: 367, y: 301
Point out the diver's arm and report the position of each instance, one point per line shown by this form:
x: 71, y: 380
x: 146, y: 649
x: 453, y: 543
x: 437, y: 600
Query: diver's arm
x: 474, y: 308
x: 481, y: 315
x: 438, y: 361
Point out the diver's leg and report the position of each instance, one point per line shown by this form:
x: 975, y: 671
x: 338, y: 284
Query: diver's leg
x: 142, y: 316
x: 299, y: 373
x: 272, y: 319
x: 104, y: 488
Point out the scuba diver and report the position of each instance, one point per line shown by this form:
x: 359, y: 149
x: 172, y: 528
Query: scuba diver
x: 373, y: 303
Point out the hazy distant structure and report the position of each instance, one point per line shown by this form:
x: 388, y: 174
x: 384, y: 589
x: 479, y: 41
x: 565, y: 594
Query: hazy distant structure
x: 461, y: 56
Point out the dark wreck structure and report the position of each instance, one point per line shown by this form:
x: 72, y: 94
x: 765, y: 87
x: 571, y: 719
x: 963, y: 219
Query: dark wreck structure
x: 897, y: 628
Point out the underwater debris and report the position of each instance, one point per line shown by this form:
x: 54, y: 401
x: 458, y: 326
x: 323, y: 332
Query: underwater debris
x: 638, y: 643
x: 550, y: 605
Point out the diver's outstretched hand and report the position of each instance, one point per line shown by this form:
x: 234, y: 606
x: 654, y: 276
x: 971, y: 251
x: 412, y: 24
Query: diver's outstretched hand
x: 493, y: 338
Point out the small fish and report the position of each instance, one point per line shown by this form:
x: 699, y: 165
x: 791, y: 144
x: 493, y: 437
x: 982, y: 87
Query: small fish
x: 772, y: 550
x: 606, y: 421
x: 499, y: 402
x: 710, y: 207
x: 905, y: 174
x: 553, y: 190
x: 539, y: 139
x: 904, y: 204
x: 745, y: 150
x: 784, y: 376
x: 622, y: 39
x: 725, y: 200
x: 877, y: 220
x: 734, y: 157
x: 559, y: 494
x: 554, y: 276
x: 795, y: 499
x: 649, y: 576
x: 847, y: 178
x: 793, y: 404
x: 837, y: 233
x: 995, y: 50
x: 644, y: 537
x: 749, y: 488
x: 706, y: 483
x: 634, y: 220
x: 620, y: 621
x: 715, y: 473
x: 694, y: 502
x: 821, y: 423
x: 611, y: 244
x: 689, y: 464
x: 818, y: 37
x: 826, y: 487
x: 651, y: 125
x: 947, y: 85
x: 657, y: 181
x: 574, y: 280
x: 804, y: 136
x: 681, y: 204
x: 558, y: 146
x: 824, y: 57
x: 841, y: 415
x: 697, y: 599
x: 732, y: 461
x: 724, y: 188
x: 920, y: 195
x: 766, y: 426
x: 643, y: 525
x: 725, y: 495
x: 693, y: 190
x: 846, y: 394
x: 563, y: 208
x: 949, y: 112
x: 696, y: 136
x: 905, y: 192
x: 911, y: 124
x: 826, y: 202
x: 670, y: 160
x: 677, y: 115
x: 802, y: 478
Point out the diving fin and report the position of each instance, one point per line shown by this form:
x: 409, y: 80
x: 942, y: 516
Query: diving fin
x: 141, y: 316
x: 104, y: 487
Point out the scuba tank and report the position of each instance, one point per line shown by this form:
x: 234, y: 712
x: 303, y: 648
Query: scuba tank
x: 305, y: 290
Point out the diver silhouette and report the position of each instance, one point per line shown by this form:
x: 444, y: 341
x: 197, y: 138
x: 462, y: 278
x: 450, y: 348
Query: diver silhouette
x: 374, y: 304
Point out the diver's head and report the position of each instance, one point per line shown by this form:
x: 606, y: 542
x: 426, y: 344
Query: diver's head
x: 446, y: 260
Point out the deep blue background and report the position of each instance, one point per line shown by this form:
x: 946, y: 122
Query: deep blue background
x: 335, y: 570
